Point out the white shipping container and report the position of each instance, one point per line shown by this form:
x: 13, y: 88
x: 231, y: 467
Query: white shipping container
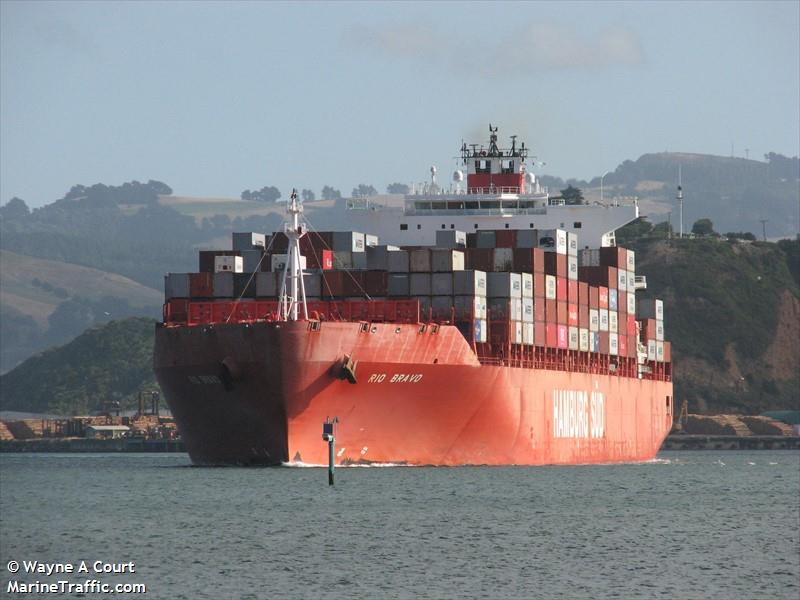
x: 631, y: 264
x: 631, y: 303
x: 622, y: 280
x: 483, y: 334
x: 516, y: 331
x: 470, y: 282
x: 527, y: 334
x: 447, y: 260
x: 583, y: 339
x: 442, y: 284
x: 470, y: 307
x: 660, y: 351
x: 228, y: 264
x: 553, y: 240
x: 572, y: 267
x: 613, y: 344
x: 594, y: 319
x: 419, y: 284
x: 572, y: 244
x: 660, y: 331
x: 370, y: 241
x: 589, y: 257
x: 613, y: 322
x: 574, y: 338
x: 504, y: 285
x: 527, y: 285
x: 249, y: 240
x: 550, y: 287
x: 603, y: 319
x: 503, y: 259
x: 651, y: 350
x: 527, y: 310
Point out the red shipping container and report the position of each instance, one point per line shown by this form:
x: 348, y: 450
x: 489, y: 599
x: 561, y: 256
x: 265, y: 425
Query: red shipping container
x: 667, y: 352
x: 572, y: 315
x: 326, y: 260
x: 622, y: 345
x: 614, y: 256
x: 538, y: 260
x: 572, y: 291
x: 479, y: 259
x: 594, y: 297
x: 278, y: 243
x: 555, y: 264
x: 622, y: 304
x: 505, y: 238
x: 632, y: 347
x: 602, y: 296
x: 561, y: 287
x: 648, y: 329
x: 201, y: 285
x: 551, y: 311
x: 583, y: 316
x: 538, y: 285
x: 562, y: 312
x: 551, y: 335
x: 539, y: 334
x: 583, y: 293
x: 631, y: 324
x: 602, y: 338
x: 539, y: 312
x: 499, y: 331
x: 600, y: 276
x: 563, y: 336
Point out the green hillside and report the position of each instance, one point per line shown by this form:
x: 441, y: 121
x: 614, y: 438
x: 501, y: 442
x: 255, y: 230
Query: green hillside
x: 732, y: 312
x: 110, y: 362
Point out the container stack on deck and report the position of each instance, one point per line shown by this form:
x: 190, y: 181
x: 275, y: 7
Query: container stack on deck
x: 530, y: 297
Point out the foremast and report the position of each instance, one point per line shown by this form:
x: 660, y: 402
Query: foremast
x: 293, y: 289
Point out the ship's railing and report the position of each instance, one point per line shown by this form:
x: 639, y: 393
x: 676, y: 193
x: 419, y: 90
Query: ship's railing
x: 474, y: 211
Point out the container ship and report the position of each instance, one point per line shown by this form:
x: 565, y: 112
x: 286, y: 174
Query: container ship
x: 483, y: 324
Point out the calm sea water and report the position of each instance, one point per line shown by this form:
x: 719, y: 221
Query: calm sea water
x: 688, y: 525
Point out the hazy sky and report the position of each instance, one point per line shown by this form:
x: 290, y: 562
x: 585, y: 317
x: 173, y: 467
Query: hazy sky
x: 213, y: 98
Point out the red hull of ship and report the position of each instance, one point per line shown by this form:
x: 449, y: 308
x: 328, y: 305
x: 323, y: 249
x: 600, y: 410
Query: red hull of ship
x: 420, y: 398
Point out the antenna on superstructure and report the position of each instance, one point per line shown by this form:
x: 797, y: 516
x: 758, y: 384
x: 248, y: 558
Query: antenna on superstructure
x: 293, y: 270
x: 679, y: 197
x: 764, y: 229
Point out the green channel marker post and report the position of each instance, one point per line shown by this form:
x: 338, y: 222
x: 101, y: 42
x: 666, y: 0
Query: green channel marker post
x: 327, y: 435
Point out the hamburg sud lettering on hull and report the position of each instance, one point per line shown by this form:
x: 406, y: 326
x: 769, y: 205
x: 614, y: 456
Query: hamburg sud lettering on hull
x: 501, y: 346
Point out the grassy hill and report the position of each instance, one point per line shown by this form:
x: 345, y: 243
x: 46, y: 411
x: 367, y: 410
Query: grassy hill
x: 36, y: 286
x: 732, y: 312
x: 47, y: 302
x: 110, y: 362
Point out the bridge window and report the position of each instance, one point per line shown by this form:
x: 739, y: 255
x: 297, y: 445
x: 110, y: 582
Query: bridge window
x: 403, y: 226
x: 576, y: 225
x: 483, y: 166
x: 419, y: 226
x: 530, y: 225
x: 506, y: 225
x: 443, y: 227
x: 452, y: 226
x: 476, y: 225
x: 439, y: 205
x: 471, y: 205
x: 506, y: 167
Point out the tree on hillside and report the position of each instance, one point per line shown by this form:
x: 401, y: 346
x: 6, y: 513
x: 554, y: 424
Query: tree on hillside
x: 741, y: 235
x: 703, y: 227
x: 329, y: 193
x: 15, y: 209
x: 307, y: 196
x: 663, y: 230
x: 397, y: 188
x: 268, y: 193
x: 364, y: 190
x: 572, y: 195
